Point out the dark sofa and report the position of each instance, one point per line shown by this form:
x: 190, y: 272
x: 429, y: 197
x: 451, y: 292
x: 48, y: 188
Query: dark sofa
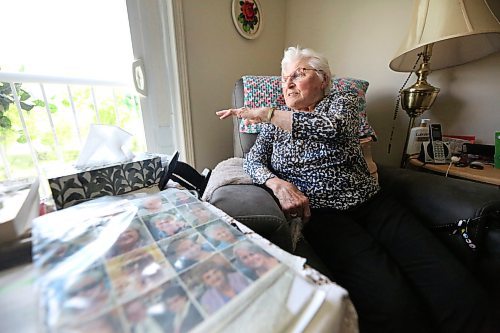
x: 440, y: 202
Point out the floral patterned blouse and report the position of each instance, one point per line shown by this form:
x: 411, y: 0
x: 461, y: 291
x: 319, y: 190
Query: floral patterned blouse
x: 321, y: 155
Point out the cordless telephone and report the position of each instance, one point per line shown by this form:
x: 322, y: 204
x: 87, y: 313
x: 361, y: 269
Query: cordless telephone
x: 436, y: 151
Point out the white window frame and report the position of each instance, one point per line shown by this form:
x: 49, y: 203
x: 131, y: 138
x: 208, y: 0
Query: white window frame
x: 157, y: 35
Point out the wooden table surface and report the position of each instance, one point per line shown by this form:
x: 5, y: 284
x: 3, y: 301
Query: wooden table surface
x: 488, y: 175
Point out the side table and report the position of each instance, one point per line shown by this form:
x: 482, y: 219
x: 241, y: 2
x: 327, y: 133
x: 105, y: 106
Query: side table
x: 488, y: 175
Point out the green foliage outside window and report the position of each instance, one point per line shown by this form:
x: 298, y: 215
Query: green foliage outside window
x: 114, y: 107
x: 7, y: 99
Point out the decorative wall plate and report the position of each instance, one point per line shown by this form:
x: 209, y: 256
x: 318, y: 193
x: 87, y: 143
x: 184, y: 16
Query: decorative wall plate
x: 247, y: 17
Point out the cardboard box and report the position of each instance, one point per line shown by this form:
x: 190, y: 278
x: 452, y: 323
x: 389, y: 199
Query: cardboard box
x: 19, y: 204
x: 75, y: 185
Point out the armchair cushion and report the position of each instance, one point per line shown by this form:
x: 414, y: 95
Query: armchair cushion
x: 259, y: 91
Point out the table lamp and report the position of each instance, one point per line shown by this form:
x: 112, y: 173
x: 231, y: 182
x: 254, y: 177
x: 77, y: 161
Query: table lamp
x: 451, y: 32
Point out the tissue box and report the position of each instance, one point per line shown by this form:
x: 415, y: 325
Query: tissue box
x: 77, y: 185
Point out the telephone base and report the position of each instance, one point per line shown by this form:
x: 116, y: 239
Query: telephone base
x: 427, y: 153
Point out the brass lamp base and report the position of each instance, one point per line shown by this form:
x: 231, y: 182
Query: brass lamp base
x: 417, y: 99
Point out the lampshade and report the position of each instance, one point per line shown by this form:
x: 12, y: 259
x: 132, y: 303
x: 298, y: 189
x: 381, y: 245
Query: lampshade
x: 461, y: 31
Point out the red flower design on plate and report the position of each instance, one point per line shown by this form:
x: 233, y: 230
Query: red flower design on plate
x: 249, y: 16
x: 247, y: 10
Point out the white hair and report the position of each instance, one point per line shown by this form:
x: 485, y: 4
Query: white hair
x: 314, y: 59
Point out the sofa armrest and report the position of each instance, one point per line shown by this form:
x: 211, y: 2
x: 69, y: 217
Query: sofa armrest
x: 439, y: 201
x: 256, y: 208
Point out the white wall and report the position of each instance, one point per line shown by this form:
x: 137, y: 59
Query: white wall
x: 360, y: 38
x: 217, y: 56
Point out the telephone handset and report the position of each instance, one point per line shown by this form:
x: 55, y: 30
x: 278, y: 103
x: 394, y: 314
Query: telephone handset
x: 436, y: 151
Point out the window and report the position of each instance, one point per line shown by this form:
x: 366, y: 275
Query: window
x: 78, y: 38
x: 66, y: 65
x: 84, y: 50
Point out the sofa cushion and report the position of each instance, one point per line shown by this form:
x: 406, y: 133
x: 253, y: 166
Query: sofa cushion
x: 260, y: 91
x: 447, y: 202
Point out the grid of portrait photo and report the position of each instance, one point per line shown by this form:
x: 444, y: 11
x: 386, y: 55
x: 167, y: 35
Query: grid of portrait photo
x: 160, y: 262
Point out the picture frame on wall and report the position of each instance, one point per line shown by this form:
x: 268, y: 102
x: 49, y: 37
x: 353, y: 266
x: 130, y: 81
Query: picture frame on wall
x: 247, y: 17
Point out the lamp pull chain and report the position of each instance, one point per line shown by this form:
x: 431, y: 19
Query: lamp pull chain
x: 398, y: 99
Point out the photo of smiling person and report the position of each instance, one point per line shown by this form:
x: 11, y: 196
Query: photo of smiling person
x: 134, y: 237
x: 138, y: 271
x: 81, y: 295
x: 178, y: 197
x: 253, y: 259
x: 221, y: 234
x: 197, y: 213
x: 166, y: 224
x: 185, y: 251
x: 58, y: 251
x: 183, y: 315
x: 138, y: 317
x: 152, y: 204
x: 218, y: 280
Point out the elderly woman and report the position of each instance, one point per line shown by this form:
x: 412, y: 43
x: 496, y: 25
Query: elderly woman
x: 399, y: 276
